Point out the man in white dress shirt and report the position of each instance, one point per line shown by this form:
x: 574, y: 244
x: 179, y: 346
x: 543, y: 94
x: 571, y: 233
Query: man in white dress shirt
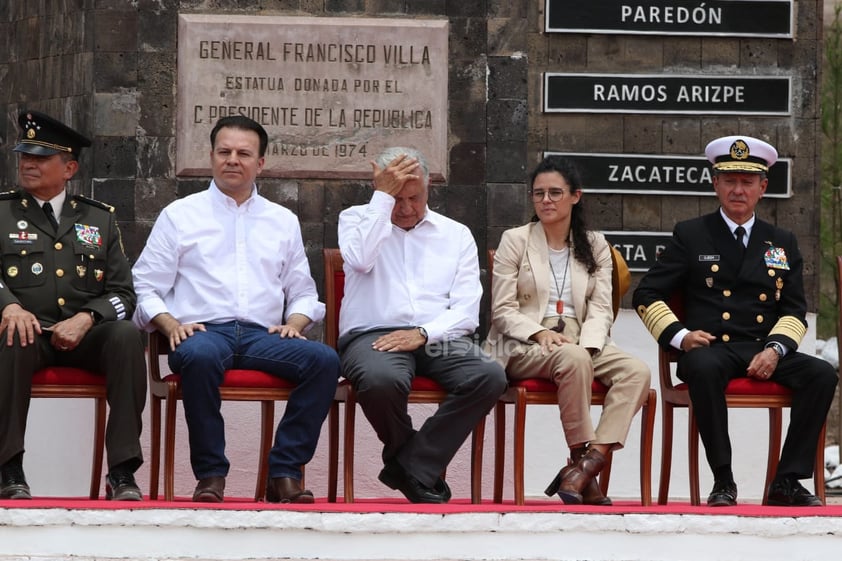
x: 225, y: 278
x: 412, y: 296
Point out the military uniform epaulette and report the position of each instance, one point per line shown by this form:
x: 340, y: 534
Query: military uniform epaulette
x: 10, y: 195
x: 93, y: 202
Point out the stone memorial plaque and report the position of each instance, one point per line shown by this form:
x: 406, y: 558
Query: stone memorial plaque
x: 331, y: 92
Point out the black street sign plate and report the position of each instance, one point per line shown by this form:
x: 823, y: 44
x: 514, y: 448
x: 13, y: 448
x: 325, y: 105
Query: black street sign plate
x: 644, y: 174
x: 656, y: 93
x: 731, y: 18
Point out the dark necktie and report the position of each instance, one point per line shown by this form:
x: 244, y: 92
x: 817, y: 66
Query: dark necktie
x: 48, y: 210
x: 739, y: 233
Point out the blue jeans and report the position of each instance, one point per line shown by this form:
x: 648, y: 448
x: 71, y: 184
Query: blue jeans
x: 202, y: 361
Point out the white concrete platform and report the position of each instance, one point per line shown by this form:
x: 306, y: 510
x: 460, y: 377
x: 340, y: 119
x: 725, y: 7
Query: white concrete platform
x: 203, y: 534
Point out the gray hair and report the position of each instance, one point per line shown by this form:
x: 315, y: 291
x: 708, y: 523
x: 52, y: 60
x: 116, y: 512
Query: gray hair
x: 390, y: 154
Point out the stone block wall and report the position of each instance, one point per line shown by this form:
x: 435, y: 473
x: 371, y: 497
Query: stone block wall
x: 108, y: 68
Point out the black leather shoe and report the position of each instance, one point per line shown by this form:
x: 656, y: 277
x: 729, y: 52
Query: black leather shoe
x: 789, y: 492
x: 395, y: 477
x: 121, y: 486
x: 210, y: 490
x: 724, y: 493
x: 442, y: 487
x: 13, y: 482
x: 287, y: 490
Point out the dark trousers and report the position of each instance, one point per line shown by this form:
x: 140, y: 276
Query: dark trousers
x: 113, y: 349
x: 707, y: 372
x: 382, y: 381
x: 202, y: 361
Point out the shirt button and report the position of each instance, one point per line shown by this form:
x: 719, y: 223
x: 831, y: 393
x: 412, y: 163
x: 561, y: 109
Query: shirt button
x: 58, y: 246
x: 726, y: 316
x: 714, y: 268
x: 726, y: 337
x: 759, y: 319
x: 726, y: 293
x: 23, y: 252
x: 59, y: 273
x: 762, y: 297
x: 60, y: 301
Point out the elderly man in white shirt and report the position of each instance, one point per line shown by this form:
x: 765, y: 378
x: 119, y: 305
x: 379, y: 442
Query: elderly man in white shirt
x: 411, y: 303
x: 225, y: 278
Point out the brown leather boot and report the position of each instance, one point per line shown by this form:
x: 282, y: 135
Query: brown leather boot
x: 572, y: 480
x: 592, y: 494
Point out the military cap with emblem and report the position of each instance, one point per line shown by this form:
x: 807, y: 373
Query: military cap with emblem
x: 41, y: 135
x: 740, y: 154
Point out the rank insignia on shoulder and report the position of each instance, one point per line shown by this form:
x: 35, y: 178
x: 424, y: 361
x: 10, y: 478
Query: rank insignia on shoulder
x: 775, y: 258
x: 93, y: 202
x: 9, y: 195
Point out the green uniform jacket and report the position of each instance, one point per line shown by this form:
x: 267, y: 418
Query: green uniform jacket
x: 56, y: 275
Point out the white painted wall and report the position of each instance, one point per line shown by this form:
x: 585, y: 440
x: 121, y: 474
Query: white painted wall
x: 58, y: 455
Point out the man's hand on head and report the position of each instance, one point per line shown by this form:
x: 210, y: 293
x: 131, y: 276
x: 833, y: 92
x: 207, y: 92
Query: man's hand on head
x: 392, y: 178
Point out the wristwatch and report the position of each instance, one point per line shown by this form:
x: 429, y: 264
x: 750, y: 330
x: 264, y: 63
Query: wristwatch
x: 777, y: 347
x: 93, y: 316
x: 423, y: 333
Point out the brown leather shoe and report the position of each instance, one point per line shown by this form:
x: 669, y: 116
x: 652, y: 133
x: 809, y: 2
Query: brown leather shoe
x: 572, y: 480
x: 287, y: 490
x: 209, y: 490
x: 591, y: 494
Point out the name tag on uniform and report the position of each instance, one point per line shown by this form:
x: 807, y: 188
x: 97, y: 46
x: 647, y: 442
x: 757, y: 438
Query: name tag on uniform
x: 708, y: 258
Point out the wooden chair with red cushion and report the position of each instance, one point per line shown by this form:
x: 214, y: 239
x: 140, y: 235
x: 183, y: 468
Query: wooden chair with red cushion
x: 423, y: 390
x: 238, y: 385
x: 62, y: 381
x: 740, y: 393
x: 540, y: 391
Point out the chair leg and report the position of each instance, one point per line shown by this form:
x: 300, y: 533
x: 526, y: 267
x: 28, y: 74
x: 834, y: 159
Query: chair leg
x: 647, y: 429
x: 499, y: 449
x: 605, y: 475
x: 772, y: 458
x: 348, y: 445
x: 333, y: 451
x: 99, y: 446
x: 818, y: 477
x: 666, y: 453
x: 519, y: 444
x: 155, y: 445
x: 169, y: 445
x: 267, y: 431
x: 477, y: 448
x: 693, y: 451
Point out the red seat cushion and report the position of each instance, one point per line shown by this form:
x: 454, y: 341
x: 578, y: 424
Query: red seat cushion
x: 422, y: 383
x: 237, y: 378
x: 66, y: 376
x: 544, y: 385
x: 749, y: 386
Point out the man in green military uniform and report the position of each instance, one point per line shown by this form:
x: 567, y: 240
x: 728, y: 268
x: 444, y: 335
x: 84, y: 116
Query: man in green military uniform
x: 66, y: 297
x: 743, y: 294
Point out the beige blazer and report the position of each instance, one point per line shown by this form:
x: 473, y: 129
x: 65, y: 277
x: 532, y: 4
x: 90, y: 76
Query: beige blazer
x: 520, y: 292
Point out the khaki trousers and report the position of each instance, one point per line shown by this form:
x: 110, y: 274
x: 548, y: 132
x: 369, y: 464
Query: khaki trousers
x: 573, y: 370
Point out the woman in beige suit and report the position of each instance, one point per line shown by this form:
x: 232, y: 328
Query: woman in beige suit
x: 551, y: 318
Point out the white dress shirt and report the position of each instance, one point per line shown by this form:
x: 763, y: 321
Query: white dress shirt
x: 427, y: 276
x: 209, y: 260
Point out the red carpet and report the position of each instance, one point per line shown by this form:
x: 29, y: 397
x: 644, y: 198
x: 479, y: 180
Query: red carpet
x: 454, y: 507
